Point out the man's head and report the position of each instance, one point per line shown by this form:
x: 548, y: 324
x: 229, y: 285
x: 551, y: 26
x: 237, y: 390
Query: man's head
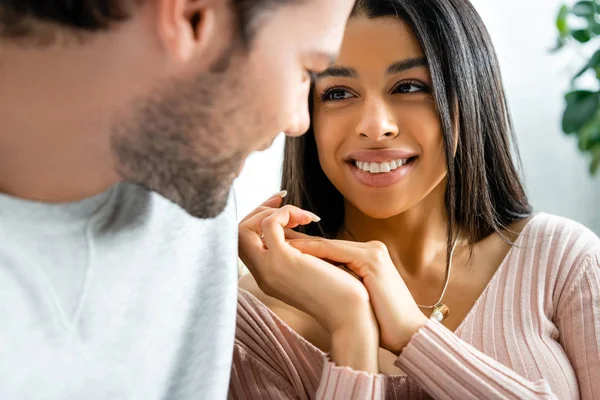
x: 186, y: 88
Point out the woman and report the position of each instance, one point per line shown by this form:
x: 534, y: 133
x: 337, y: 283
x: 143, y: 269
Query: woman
x: 462, y: 292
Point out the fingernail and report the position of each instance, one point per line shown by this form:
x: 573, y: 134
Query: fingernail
x: 314, y: 217
x: 281, y: 194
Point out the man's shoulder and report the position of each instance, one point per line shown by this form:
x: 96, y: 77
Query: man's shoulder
x: 150, y: 226
x: 135, y: 204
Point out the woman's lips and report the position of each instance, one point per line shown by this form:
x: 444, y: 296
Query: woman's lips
x: 380, y: 155
x: 382, y: 179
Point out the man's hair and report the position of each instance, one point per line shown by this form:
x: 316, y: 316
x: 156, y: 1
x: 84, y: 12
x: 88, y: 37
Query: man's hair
x: 22, y: 19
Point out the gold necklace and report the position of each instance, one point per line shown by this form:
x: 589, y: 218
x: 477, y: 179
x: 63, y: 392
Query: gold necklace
x: 440, y: 310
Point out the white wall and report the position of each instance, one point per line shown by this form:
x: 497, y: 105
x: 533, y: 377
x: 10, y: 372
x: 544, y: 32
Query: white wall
x: 555, y: 172
x: 260, y: 178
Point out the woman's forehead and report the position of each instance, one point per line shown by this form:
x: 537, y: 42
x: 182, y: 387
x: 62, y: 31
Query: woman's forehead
x: 381, y: 41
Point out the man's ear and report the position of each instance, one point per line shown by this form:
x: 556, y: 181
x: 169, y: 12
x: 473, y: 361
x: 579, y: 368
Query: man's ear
x: 189, y: 27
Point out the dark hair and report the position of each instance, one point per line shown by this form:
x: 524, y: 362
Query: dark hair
x: 484, y: 193
x: 18, y: 17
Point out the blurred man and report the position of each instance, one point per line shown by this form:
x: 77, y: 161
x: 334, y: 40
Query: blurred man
x: 123, y: 124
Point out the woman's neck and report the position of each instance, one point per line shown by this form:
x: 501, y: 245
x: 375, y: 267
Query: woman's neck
x: 416, y: 239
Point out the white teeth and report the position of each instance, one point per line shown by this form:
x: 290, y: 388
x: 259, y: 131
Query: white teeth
x: 377, y: 168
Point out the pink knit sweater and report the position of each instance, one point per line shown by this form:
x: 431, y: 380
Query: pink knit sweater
x: 533, y: 334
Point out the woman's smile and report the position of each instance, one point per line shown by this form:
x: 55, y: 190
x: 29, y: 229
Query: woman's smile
x: 380, y: 167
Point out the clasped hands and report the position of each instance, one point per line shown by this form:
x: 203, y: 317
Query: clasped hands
x: 304, y: 272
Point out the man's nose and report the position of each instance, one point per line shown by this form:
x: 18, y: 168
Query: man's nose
x: 301, y: 119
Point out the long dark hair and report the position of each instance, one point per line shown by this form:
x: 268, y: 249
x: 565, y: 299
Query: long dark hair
x: 484, y: 192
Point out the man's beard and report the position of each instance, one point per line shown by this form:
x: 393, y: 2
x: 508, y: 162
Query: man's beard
x: 183, y: 144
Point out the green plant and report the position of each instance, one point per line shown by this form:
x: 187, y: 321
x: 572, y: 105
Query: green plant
x: 579, y: 25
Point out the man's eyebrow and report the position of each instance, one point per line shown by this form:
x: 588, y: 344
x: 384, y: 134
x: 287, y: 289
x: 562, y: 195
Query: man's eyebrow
x: 404, y: 65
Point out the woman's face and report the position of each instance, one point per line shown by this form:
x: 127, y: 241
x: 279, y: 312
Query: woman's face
x: 375, y: 122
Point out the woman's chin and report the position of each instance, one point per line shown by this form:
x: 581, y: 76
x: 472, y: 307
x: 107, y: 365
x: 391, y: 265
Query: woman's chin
x: 381, y: 212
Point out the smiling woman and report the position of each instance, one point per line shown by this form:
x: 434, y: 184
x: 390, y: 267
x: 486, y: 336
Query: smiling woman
x: 362, y: 104
x: 462, y: 292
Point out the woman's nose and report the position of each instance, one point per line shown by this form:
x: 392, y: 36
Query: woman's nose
x: 377, y: 121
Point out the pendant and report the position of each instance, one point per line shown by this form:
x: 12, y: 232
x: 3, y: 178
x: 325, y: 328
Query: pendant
x: 440, y: 312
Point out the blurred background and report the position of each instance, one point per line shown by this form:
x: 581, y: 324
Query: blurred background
x: 556, y: 171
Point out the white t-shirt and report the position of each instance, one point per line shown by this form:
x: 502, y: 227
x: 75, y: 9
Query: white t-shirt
x: 120, y: 296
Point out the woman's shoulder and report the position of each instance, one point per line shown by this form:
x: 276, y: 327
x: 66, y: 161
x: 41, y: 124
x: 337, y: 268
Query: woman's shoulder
x: 254, y: 306
x: 557, y: 251
x: 560, y: 235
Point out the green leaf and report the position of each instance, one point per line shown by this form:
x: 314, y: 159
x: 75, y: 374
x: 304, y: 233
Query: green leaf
x: 595, y: 160
x: 594, y: 62
x: 577, y: 96
x: 595, y: 59
x: 561, y: 21
x: 589, y: 135
x: 584, y: 9
x: 581, y: 107
x: 581, y: 35
x: 581, y: 72
x: 560, y: 43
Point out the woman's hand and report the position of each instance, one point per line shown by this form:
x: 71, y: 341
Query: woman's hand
x: 398, y: 315
x: 336, y: 299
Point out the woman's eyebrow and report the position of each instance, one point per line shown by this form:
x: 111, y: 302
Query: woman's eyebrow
x: 338, y: 71
x: 409, y: 63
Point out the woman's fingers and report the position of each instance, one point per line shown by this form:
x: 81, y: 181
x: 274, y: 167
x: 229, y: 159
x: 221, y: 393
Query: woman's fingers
x: 273, y: 226
x: 254, y: 223
x: 250, y: 244
x: 295, y: 235
x: 272, y: 202
x: 360, y: 258
x: 252, y: 238
x: 334, y: 250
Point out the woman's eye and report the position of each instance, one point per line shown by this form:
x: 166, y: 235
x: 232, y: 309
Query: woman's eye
x: 410, y: 87
x: 336, y: 95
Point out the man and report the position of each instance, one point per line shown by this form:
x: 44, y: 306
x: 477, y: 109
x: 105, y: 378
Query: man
x: 114, y: 290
